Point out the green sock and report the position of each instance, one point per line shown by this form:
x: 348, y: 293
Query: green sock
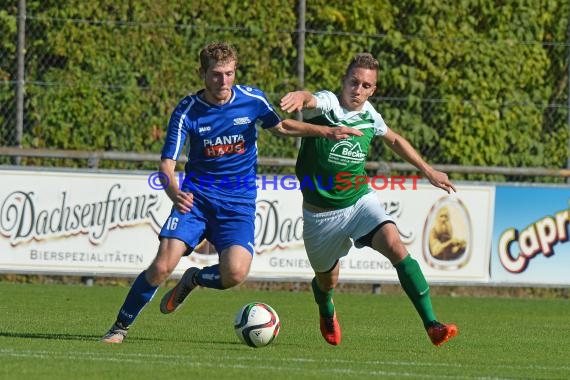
x: 416, y: 287
x: 323, y: 299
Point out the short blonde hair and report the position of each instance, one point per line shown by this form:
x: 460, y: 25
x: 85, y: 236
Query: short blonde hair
x: 217, y: 52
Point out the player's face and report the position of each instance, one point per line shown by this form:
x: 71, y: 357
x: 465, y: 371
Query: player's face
x: 357, y: 86
x: 218, y: 80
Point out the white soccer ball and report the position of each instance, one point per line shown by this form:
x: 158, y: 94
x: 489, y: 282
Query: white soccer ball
x: 257, y: 324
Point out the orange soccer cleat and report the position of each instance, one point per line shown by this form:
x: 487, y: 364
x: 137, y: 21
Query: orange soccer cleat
x: 439, y: 333
x: 330, y: 329
x: 172, y: 299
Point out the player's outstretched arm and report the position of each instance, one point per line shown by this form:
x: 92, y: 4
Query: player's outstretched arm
x: 295, y: 101
x: 296, y: 128
x: 404, y: 149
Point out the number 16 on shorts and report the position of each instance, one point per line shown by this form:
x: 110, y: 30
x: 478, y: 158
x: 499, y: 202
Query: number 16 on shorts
x: 171, y: 223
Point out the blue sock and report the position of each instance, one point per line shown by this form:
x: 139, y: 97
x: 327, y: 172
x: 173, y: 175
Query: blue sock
x: 209, y: 277
x: 140, y: 294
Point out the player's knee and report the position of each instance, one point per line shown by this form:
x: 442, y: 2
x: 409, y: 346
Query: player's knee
x: 158, y: 272
x: 395, y: 251
x: 234, y: 277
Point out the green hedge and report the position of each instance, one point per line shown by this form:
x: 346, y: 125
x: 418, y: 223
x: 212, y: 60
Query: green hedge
x: 468, y: 82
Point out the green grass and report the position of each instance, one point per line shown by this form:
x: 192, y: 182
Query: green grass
x: 52, y: 332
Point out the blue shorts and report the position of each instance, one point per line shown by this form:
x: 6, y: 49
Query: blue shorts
x: 223, y: 223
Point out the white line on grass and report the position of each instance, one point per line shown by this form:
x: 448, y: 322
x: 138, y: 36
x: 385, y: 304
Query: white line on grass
x: 123, y: 357
x: 218, y: 365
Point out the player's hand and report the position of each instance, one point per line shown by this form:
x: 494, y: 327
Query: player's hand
x: 440, y: 179
x: 341, y: 133
x: 293, y: 102
x: 184, y: 202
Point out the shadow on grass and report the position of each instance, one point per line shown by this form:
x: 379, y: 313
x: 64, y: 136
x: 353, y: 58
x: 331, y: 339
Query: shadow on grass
x: 95, y: 338
x: 55, y: 336
x: 82, y: 337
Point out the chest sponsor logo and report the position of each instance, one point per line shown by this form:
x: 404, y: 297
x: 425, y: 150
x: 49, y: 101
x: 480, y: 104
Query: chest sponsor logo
x: 346, y: 152
x: 222, y: 145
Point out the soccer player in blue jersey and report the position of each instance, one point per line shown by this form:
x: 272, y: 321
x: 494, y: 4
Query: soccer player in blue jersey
x: 335, y: 216
x: 217, y: 198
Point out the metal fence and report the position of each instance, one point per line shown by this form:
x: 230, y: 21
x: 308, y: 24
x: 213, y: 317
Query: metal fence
x: 16, y: 81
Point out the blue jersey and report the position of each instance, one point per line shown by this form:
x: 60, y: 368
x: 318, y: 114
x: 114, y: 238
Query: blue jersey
x: 222, y: 159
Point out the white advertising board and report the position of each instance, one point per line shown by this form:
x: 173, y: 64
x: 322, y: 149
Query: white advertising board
x: 78, y: 223
x: 95, y: 224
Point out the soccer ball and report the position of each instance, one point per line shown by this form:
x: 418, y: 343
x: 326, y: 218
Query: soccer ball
x: 257, y: 324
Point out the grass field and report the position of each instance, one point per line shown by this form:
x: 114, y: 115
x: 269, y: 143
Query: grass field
x: 52, y: 332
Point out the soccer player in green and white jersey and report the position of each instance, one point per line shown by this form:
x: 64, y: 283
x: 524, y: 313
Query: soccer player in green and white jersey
x: 335, y: 213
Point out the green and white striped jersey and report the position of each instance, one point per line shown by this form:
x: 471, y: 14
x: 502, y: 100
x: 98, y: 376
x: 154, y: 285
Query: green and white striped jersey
x: 327, y: 169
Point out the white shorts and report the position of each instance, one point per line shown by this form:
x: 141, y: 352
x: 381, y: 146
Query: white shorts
x: 328, y: 235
